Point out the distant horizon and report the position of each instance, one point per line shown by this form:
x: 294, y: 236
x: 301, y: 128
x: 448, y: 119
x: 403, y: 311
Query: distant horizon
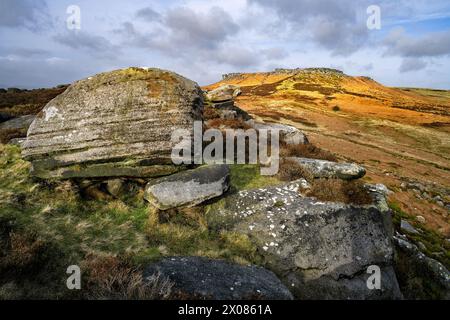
x: 220, y: 78
x: 398, y: 43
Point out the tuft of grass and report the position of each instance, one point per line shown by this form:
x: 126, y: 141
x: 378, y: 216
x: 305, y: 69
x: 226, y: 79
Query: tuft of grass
x: 338, y: 190
x: 437, y: 247
x: 291, y: 170
x: 228, y: 123
x: 113, y: 278
x: 248, y: 176
x: 306, y: 151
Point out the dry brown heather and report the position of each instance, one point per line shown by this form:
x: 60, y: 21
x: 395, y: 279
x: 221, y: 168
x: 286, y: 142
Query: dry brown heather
x: 399, y: 134
x: 17, y: 102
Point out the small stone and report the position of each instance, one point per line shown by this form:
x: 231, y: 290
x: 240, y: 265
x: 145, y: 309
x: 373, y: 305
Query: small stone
x: 407, y: 227
x: 421, y: 219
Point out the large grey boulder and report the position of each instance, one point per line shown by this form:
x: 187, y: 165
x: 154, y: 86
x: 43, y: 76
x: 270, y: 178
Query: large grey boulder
x: 188, y: 188
x: 113, y: 124
x: 223, y: 93
x: 329, y: 169
x: 319, y: 250
x: 288, y: 134
x: 202, y: 278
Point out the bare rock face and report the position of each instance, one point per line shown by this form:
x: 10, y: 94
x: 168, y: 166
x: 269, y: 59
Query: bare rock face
x: 288, y: 134
x: 223, y: 93
x: 329, y: 169
x: 202, y: 278
x: 188, y: 188
x: 113, y: 124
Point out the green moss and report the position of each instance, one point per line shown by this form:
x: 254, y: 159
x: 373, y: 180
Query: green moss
x: 437, y: 247
x: 55, y: 213
x: 245, y: 177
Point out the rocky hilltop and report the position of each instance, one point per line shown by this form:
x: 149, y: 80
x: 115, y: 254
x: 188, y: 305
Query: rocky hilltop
x: 95, y: 187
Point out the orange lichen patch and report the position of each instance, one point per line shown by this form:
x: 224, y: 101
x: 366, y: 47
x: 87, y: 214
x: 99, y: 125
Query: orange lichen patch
x: 163, y: 82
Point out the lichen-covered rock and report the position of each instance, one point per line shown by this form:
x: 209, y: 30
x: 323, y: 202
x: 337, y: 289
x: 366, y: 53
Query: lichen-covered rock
x: 329, y: 169
x: 113, y: 124
x: 223, y: 93
x: 420, y: 277
x: 202, y: 278
x: 319, y: 250
x: 188, y: 188
x: 288, y: 134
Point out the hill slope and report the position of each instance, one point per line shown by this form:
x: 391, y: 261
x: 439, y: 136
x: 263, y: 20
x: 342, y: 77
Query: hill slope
x: 401, y: 135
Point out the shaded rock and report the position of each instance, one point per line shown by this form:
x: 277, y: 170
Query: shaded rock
x: 188, y: 188
x: 17, y: 141
x: 113, y: 124
x: 319, y: 250
x: 201, y: 278
x: 407, y: 227
x: 419, y: 276
x: 94, y: 192
x: 115, y: 187
x: 223, y: 105
x: 19, y: 123
x: 5, y: 116
x: 288, y: 134
x: 223, y: 93
x: 329, y: 169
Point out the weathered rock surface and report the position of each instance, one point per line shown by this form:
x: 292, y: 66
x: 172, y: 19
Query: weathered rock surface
x: 329, y: 169
x: 288, y: 134
x: 201, y: 278
x: 113, y: 124
x: 223, y: 93
x: 188, y: 188
x: 405, y: 226
x: 319, y: 250
x: 419, y: 276
x: 20, y: 123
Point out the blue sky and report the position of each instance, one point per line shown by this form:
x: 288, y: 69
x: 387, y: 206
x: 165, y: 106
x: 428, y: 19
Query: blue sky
x: 204, y: 39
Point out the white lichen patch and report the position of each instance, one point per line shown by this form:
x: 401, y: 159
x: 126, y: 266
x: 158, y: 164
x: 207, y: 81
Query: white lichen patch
x: 50, y: 113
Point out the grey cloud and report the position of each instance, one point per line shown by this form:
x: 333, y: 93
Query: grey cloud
x: 187, y: 34
x: 431, y: 45
x: 235, y: 56
x: 29, y: 14
x: 334, y: 25
x: 274, y: 53
x: 148, y: 14
x: 94, y: 44
x: 191, y: 28
x: 412, y: 64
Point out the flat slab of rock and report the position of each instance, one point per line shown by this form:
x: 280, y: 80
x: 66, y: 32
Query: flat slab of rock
x: 113, y: 124
x: 288, y: 134
x: 223, y: 93
x: 329, y: 169
x: 20, y: 123
x: 201, y: 278
x: 319, y: 250
x: 188, y: 188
